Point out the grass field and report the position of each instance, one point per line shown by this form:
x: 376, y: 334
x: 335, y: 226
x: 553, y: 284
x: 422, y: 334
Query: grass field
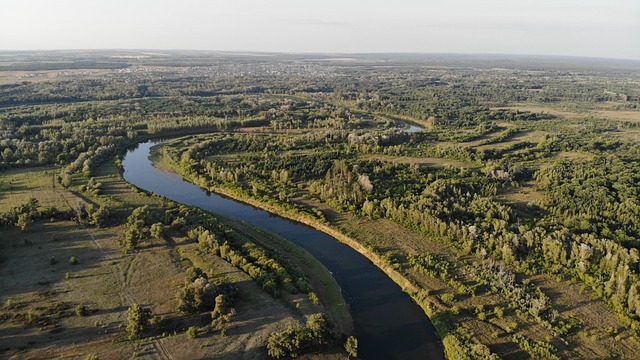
x: 41, y: 289
x: 11, y: 77
x: 610, y: 114
x: 19, y: 185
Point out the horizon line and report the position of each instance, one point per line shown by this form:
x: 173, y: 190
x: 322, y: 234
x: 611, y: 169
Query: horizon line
x: 325, y: 52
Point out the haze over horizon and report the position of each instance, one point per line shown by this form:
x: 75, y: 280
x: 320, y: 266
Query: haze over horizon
x: 586, y: 28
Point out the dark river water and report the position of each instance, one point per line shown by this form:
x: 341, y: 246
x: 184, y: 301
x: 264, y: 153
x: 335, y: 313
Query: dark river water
x: 387, y: 323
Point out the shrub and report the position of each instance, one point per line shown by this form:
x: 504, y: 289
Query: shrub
x: 447, y: 298
x: 351, y: 346
x: 81, y: 310
x: 314, y: 298
x: 192, y: 332
x: 137, y: 319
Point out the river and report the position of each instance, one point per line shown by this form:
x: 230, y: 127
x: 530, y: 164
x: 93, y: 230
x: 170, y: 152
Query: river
x: 387, y: 323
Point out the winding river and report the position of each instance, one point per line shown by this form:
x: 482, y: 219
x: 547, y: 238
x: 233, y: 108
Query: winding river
x: 387, y: 323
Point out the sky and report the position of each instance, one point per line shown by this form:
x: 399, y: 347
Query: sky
x: 602, y: 28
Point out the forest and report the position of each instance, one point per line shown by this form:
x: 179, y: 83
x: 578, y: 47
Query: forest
x: 505, y: 192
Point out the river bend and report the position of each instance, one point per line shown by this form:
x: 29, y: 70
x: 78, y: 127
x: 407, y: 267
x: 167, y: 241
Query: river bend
x: 387, y: 323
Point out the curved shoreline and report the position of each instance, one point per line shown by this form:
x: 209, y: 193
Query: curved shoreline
x: 405, y: 284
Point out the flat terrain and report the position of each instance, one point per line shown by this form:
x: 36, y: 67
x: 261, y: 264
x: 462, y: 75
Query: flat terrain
x: 41, y: 289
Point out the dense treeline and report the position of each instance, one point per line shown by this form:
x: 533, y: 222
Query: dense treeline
x: 599, y: 196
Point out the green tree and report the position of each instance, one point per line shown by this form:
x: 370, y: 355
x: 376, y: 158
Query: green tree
x: 81, y: 310
x: 351, y: 346
x: 137, y: 318
x: 157, y: 230
x: 101, y: 217
x: 132, y: 237
x: 24, y: 220
x: 320, y: 327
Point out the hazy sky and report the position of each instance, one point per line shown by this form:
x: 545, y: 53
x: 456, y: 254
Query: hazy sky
x: 603, y: 28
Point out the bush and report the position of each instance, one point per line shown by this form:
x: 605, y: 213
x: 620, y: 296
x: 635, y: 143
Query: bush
x: 192, y: 332
x: 137, y: 318
x: 73, y: 260
x: 295, y: 341
x: 447, y: 298
x: 81, y: 310
x: 351, y: 346
x: 314, y: 298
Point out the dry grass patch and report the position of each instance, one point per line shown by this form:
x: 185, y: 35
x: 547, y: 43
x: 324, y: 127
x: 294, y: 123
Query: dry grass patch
x: 12, y: 77
x: 616, y: 115
x: 19, y: 185
x: 527, y: 193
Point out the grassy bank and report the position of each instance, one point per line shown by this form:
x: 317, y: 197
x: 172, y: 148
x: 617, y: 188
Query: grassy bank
x: 429, y: 306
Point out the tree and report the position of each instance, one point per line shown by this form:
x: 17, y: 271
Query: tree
x: 24, y: 220
x: 101, y: 217
x: 157, y: 230
x: 351, y: 346
x: 292, y: 342
x: 137, y: 318
x: 66, y: 180
x: 221, y: 307
x: 132, y: 237
x: 320, y: 327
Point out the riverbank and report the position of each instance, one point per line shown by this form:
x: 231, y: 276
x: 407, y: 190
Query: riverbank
x: 430, y: 307
x: 324, y: 285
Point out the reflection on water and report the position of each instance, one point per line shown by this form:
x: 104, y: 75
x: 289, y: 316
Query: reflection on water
x: 387, y: 323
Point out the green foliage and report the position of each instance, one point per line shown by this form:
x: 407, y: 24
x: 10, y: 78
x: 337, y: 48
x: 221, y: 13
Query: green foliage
x: 24, y: 220
x: 137, y: 319
x: 157, y: 230
x: 313, y: 297
x: 101, y: 217
x: 81, y: 310
x: 448, y: 298
x: 537, y: 349
x: 295, y: 341
x: 430, y: 264
x: 345, y: 150
x: 198, y: 295
x: 266, y: 267
x: 351, y: 346
x: 320, y: 327
x: 73, y: 260
x: 192, y: 332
